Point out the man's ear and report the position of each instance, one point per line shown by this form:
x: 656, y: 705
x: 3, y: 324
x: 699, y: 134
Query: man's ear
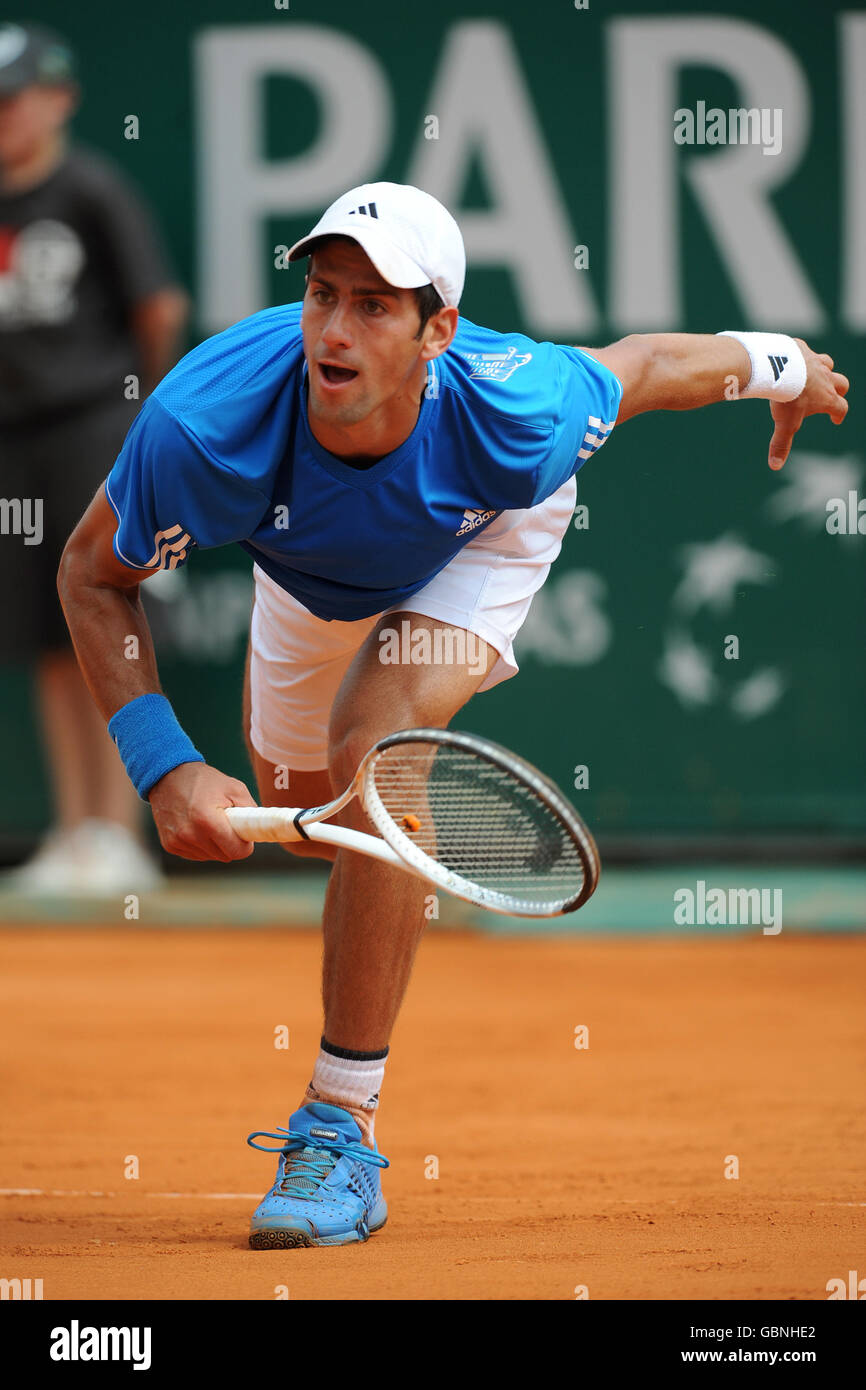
x: 444, y: 325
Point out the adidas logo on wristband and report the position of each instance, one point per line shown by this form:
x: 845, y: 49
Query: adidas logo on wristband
x: 778, y: 365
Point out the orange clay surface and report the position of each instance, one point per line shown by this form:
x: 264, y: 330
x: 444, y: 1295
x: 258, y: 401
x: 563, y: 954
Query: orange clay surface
x: 557, y: 1166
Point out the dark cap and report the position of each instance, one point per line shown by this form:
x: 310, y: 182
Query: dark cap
x: 32, y: 56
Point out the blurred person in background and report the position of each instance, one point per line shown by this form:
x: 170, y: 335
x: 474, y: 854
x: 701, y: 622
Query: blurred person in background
x: 87, y: 303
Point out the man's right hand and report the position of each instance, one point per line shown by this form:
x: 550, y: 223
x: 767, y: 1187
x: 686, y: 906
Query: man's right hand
x: 823, y: 394
x: 188, y: 805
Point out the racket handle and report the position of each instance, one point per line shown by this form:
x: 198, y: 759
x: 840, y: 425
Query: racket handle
x: 276, y: 823
x: 264, y: 824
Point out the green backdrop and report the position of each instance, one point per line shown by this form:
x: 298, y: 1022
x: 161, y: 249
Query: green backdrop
x: 555, y: 130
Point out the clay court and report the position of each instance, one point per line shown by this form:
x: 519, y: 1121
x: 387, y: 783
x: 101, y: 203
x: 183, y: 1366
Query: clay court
x: 558, y: 1167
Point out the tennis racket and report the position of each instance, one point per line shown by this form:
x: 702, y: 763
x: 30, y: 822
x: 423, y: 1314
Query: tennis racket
x: 459, y: 811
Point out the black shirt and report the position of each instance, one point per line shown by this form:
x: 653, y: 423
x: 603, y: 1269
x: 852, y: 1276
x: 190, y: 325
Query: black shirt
x: 76, y: 253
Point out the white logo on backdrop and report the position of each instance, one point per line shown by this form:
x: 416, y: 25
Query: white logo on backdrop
x: 713, y: 575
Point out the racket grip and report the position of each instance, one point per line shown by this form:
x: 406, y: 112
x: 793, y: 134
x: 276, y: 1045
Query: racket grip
x: 264, y: 824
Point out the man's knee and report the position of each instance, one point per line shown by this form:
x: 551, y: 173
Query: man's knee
x: 349, y: 742
x: 375, y: 700
x: 280, y: 786
x: 346, y: 748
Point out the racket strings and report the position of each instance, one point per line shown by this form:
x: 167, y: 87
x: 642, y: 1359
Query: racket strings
x: 480, y: 821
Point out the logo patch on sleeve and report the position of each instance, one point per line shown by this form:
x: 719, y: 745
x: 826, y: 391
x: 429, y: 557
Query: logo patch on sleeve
x: 171, y: 548
x: 496, y: 366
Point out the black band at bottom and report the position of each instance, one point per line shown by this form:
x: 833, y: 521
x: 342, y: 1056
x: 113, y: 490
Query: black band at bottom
x: 349, y: 1056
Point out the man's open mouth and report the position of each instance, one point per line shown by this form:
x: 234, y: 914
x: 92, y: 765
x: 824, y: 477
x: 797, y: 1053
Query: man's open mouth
x: 335, y: 376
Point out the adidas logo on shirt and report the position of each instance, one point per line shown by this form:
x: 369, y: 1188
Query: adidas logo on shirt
x: 473, y: 517
x: 778, y: 364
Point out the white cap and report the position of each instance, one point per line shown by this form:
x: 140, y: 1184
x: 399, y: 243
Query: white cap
x: 409, y: 236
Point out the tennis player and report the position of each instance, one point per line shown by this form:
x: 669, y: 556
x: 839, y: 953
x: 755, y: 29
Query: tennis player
x: 389, y: 467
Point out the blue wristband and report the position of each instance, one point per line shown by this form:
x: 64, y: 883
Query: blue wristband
x: 150, y: 741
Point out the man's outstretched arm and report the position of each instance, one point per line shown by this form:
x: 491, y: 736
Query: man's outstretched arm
x: 103, y: 611
x: 681, y: 371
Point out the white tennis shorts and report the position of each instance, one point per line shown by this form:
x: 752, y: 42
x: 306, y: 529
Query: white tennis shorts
x: 297, y: 660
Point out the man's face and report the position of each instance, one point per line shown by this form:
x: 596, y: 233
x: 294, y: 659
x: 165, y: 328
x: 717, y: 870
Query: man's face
x: 30, y: 119
x: 356, y: 321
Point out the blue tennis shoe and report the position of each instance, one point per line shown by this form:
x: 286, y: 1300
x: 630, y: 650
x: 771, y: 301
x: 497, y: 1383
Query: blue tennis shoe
x: 327, y: 1190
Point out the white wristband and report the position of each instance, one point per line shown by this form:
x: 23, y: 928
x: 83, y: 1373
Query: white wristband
x: 778, y: 365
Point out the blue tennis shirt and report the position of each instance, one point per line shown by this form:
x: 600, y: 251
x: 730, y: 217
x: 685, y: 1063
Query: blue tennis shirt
x: 222, y: 451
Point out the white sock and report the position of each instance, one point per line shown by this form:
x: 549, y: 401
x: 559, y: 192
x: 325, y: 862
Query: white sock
x: 353, y: 1081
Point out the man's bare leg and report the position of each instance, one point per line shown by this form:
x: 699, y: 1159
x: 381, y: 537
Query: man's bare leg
x: 374, y: 915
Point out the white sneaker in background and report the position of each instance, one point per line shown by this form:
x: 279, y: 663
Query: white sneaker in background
x: 111, y: 860
x: 98, y: 857
x: 52, y: 869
